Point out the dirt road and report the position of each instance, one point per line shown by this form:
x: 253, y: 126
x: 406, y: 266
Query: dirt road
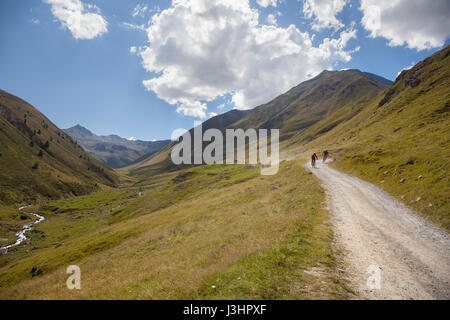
x: 391, y: 252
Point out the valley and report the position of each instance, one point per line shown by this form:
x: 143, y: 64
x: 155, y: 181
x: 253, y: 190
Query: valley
x: 155, y: 230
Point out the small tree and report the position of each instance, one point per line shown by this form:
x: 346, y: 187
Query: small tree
x: 46, y: 144
x: 35, y: 166
x: 40, y: 153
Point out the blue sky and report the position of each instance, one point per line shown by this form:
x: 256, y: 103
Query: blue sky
x: 72, y: 58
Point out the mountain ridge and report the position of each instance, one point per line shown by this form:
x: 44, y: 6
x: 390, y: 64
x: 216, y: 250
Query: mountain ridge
x: 112, y: 149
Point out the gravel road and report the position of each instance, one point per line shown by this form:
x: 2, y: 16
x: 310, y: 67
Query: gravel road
x: 391, y: 252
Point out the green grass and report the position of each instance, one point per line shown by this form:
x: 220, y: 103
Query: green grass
x: 279, y: 272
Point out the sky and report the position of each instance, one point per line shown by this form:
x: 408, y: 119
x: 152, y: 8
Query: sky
x: 143, y: 68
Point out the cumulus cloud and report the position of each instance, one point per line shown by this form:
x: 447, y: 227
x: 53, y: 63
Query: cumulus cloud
x: 212, y: 114
x: 323, y: 13
x: 418, y: 24
x: 199, y: 51
x: 85, y: 22
x: 133, y: 49
x: 266, y: 3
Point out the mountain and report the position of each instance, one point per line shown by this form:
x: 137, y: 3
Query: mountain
x: 334, y: 96
x: 113, y: 150
x: 39, y: 159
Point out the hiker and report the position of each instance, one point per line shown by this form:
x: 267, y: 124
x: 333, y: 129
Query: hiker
x: 325, y: 156
x: 314, y: 157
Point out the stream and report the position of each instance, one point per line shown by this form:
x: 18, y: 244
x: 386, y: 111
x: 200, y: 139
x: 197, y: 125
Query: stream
x: 21, y: 237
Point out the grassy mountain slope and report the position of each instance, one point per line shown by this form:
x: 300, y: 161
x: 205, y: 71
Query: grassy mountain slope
x: 400, y: 140
x: 113, y: 150
x: 38, y: 159
x: 313, y: 100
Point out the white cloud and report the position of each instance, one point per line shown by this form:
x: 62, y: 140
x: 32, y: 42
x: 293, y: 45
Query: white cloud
x: 134, y: 26
x: 131, y: 139
x: 271, y: 19
x: 187, y: 106
x: 78, y: 18
x: 139, y: 10
x: 221, y: 106
x: 212, y: 114
x: 266, y: 3
x: 323, y: 13
x: 35, y: 21
x: 133, y: 49
x: 201, y: 51
x: 418, y: 24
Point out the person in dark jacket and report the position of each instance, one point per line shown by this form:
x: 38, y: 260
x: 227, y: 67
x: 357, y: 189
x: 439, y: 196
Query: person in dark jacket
x: 325, y: 156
